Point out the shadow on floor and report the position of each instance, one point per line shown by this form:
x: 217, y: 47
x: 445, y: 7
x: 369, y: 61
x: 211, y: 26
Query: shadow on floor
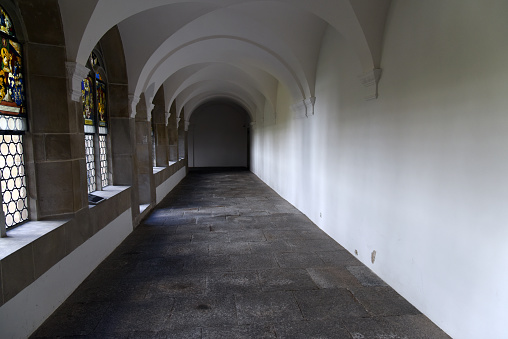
x: 223, y: 256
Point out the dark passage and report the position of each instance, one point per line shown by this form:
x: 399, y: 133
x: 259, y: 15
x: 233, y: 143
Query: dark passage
x: 223, y: 256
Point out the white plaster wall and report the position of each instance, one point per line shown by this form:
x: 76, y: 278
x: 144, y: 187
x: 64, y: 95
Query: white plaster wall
x: 417, y: 175
x: 218, y: 136
x: 24, y: 313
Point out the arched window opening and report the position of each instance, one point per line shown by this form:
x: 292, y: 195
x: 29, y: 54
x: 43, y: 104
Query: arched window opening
x: 13, y: 124
x: 95, y: 108
x: 154, y: 142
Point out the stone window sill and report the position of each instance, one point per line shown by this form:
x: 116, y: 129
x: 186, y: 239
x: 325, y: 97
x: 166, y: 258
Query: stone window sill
x: 109, y: 192
x: 31, y: 249
x: 26, y: 234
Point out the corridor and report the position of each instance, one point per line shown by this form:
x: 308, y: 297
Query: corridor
x: 224, y: 256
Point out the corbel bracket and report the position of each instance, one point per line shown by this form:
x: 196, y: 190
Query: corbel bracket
x: 75, y: 75
x: 133, y: 102
x: 370, y: 81
x: 167, y: 115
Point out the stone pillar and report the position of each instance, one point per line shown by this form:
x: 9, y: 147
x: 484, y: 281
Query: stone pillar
x: 122, y: 127
x: 144, y: 166
x: 182, y: 139
x: 173, y: 134
x: 54, y: 146
x: 160, y: 130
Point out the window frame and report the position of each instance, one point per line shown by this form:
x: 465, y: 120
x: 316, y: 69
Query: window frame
x: 98, y: 73
x: 18, y: 128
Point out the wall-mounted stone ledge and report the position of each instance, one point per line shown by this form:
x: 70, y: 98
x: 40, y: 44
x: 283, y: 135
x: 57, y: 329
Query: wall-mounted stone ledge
x: 32, y: 248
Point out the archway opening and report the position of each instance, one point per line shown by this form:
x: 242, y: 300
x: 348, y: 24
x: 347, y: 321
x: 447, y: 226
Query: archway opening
x: 219, y: 136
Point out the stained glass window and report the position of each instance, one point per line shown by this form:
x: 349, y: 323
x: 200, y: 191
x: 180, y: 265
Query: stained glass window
x: 88, y: 103
x: 94, y: 93
x: 90, y: 162
x: 103, y: 152
x: 101, y: 104
x: 5, y: 23
x: 13, y: 124
x: 12, y: 83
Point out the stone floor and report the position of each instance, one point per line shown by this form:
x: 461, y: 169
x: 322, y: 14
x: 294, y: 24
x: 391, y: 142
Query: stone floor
x: 223, y: 256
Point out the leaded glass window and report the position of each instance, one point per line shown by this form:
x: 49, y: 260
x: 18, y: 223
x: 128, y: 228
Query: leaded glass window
x: 90, y: 162
x: 103, y: 160
x: 94, y: 95
x: 13, y: 124
x: 13, y: 180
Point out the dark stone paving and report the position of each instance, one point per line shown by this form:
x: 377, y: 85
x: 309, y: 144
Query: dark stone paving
x: 223, y: 256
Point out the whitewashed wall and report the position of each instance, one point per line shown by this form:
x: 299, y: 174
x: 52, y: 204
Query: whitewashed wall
x: 418, y: 175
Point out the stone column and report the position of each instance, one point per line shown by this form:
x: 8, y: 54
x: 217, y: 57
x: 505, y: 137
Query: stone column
x: 159, y: 130
x: 144, y: 166
x: 173, y: 134
x: 54, y: 146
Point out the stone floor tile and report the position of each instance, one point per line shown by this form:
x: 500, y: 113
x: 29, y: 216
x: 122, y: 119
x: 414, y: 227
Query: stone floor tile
x: 210, y: 220
x: 272, y: 246
x: 211, y: 263
x: 299, y: 260
x: 192, y: 229
x: 195, y: 249
x: 339, y: 258
x: 73, y: 319
x: 370, y: 328
x: 177, y: 286
x: 172, y: 239
x: 365, y: 276
x: 247, y: 235
x: 207, y: 311
x: 239, y: 332
x: 271, y: 235
x: 389, y: 307
x: 220, y: 237
x: 241, y: 262
x: 267, y: 307
x: 415, y: 326
x: 229, y: 248
x: 329, y: 304
x: 119, y: 291
x: 333, y: 277
x: 311, y: 330
x: 145, y: 315
x: 152, y: 267
x: 284, y: 279
x: 186, y: 333
x: 232, y: 282
x: 179, y: 221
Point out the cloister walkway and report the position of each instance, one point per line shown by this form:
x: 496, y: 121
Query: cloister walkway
x: 223, y: 256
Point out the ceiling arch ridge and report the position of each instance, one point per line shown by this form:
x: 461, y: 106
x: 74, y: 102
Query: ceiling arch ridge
x: 233, y: 75
x: 222, y: 21
x: 173, y: 82
x: 85, y: 22
x: 279, y: 68
x: 196, y: 102
x: 264, y: 82
x: 221, y: 88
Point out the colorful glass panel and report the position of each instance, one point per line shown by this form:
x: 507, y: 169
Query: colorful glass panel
x: 88, y: 102
x: 101, y: 104
x: 5, y: 23
x: 12, y: 84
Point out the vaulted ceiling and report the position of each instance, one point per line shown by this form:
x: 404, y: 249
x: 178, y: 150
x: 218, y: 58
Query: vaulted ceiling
x: 240, y: 50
